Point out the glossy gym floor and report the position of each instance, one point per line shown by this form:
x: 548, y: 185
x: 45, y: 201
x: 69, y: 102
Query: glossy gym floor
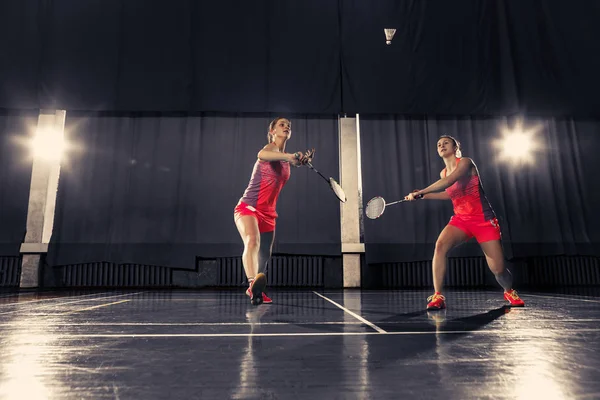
x: 212, y: 344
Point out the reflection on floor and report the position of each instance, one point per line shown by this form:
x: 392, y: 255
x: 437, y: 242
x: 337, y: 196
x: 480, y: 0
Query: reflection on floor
x: 341, y: 344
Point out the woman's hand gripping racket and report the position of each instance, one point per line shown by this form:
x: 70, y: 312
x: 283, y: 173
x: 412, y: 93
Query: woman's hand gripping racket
x: 337, y: 189
x: 376, y: 206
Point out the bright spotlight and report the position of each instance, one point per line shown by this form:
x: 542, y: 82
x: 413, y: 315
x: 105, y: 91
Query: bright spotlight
x: 48, y: 144
x: 518, y: 146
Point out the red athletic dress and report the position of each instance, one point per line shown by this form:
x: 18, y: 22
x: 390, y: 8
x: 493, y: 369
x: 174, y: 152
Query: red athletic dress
x: 260, y: 197
x: 473, y: 214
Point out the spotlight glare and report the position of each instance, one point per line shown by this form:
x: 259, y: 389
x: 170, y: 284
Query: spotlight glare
x: 48, y: 144
x: 517, y: 146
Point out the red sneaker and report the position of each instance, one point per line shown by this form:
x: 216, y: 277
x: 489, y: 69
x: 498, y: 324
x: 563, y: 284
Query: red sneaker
x: 437, y: 301
x: 266, y: 299
x: 513, y: 298
x: 255, y: 290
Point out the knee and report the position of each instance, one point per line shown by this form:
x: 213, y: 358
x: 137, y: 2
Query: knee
x: 496, y: 266
x: 442, y: 247
x: 252, y: 242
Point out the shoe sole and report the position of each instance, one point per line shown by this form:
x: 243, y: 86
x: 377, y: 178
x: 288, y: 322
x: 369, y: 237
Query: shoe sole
x: 260, y: 282
x: 513, y: 305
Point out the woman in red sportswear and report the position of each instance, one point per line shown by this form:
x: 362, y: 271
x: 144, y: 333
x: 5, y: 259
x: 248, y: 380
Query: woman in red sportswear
x: 473, y: 217
x: 255, y: 213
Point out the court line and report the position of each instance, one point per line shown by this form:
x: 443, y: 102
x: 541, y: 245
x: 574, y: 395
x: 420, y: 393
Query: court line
x: 98, y: 306
x: 414, y: 293
x: 559, y: 297
x: 410, y: 322
x: 217, y: 335
x: 463, y: 294
x: 186, y: 323
x: 68, y: 302
x: 358, y: 317
x: 50, y: 299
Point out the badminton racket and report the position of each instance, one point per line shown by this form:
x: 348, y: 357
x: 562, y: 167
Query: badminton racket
x: 337, y: 189
x: 376, y: 206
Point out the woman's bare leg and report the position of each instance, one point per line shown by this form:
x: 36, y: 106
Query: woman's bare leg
x: 265, y: 250
x: 495, y: 259
x: 450, y: 237
x: 248, y: 228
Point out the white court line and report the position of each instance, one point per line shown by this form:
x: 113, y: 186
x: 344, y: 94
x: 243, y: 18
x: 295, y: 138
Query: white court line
x: 67, y: 302
x: 34, y: 323
x: 49, y: 299
x: 559, y: 297
x: 358, y: 317
x: 97, y: 306
x: 536, y: 332
x: 458, y: 295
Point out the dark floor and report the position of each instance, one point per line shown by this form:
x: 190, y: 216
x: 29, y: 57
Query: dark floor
x: 312, y: 345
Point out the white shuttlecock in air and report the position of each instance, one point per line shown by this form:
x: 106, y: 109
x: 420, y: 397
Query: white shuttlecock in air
x: 389, y: 35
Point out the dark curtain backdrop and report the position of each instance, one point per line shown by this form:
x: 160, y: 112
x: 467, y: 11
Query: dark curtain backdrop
x: 547, y: 207
x: 471, y: 57
x: 161, y: 190
x: 16, y: 129
x: 182, y: 55
x: 468, y: 57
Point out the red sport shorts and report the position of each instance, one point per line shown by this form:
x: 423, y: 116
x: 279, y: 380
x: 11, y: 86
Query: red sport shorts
x: 482, y: 231
x: 266, y: 220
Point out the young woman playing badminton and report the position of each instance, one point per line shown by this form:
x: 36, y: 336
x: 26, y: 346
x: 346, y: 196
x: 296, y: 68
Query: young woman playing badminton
x: 473, y: 217
x: 255, y: 214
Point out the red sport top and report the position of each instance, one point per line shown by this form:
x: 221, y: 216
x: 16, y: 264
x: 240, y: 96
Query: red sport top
x: 468, y: 198
x: 267, y: 180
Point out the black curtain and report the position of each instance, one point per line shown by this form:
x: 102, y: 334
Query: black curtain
x: 546, y: 207
x: 161, y: 190
x: 472, y: 57
x: 16, y: 131
x: 446, y: 58
x: 176, y: 55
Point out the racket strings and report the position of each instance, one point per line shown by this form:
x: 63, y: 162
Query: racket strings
x: 375, y: 207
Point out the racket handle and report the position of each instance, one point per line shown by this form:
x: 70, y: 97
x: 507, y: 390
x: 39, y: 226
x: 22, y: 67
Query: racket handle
x: 395, y: 202
x: 418, y: 197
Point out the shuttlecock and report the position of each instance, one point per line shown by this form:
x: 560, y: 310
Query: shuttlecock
x: 389, y: 35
